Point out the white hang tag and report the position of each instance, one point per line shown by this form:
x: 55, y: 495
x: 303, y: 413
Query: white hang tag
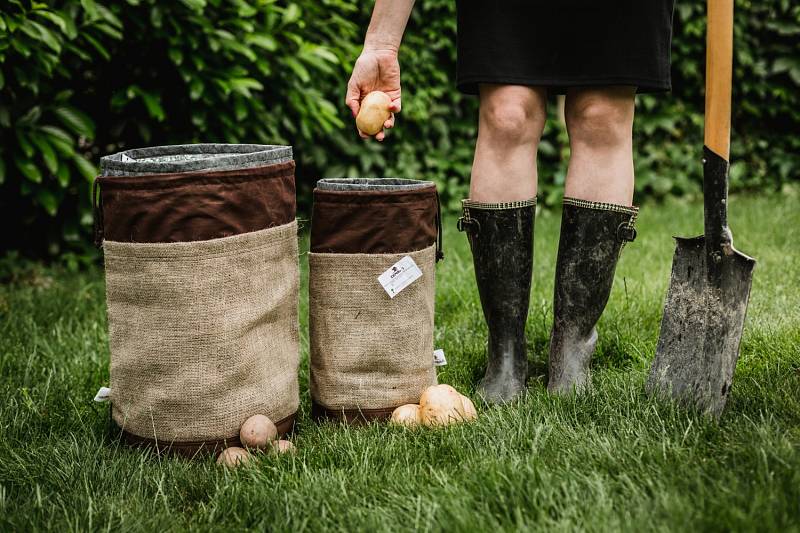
x: 103, y: 395
x: 126, y: 159
x: 438, y: 358
x: 399, y: 276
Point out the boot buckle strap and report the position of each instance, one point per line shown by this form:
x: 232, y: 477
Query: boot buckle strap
x: 468, y: 225
x: 626, y: 232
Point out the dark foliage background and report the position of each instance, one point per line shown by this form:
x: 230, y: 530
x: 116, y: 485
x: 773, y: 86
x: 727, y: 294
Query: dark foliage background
x: 83, y: 78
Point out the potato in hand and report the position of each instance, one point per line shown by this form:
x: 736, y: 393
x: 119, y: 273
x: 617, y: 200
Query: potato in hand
x: 373, y: 113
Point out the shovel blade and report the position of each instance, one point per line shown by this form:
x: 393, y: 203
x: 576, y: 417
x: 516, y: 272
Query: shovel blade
x: 698, y: 345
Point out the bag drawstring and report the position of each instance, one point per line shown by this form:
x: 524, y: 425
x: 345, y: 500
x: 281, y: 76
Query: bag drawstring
x: 97, y: 214
x: 439, y: 252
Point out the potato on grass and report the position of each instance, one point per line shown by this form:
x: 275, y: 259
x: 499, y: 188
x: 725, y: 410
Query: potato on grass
x: 441, y: 405
x: 283, y: 446
x: 374, y: 112
x: 470, y: 413
x: 257, y: 432
x: 234, y: 457
x: 406, y: 415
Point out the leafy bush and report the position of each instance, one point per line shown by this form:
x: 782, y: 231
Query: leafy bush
x: 79, y: 79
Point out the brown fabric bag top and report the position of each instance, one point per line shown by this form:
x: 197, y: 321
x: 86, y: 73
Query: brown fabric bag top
x: 374, y: 222
x: 195, y: 206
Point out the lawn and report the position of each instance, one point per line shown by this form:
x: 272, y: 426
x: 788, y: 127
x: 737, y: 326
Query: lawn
x: 610, y: 459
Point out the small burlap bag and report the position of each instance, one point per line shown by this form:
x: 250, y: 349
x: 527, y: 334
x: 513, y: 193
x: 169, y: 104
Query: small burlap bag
x: 370, y: 353
x: 203, y: 331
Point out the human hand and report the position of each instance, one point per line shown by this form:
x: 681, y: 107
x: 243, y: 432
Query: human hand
x: 375, y: 70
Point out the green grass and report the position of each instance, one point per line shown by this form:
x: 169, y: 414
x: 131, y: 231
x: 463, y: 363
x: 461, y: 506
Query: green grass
x: 612, y: 459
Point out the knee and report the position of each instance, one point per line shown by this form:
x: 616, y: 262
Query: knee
x: 600, y: 121
x: 513, y: 119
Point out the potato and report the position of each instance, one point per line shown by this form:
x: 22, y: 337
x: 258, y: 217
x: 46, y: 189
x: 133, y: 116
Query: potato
x: 257, y: 432
x: 374, y: 112
x: 441, y: 405
x: 283, y: 446
x: 233, y: 457
x: 470, y: 413
x: 406, y: 415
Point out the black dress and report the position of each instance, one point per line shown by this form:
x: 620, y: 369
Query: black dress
x: 565, y: 43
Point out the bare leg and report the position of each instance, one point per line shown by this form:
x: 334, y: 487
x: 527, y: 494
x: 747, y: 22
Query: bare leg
x: 600, y: 123
x: 511, y: 122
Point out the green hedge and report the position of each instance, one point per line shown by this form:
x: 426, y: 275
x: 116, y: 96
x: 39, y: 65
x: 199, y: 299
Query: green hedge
x: 79, y: 79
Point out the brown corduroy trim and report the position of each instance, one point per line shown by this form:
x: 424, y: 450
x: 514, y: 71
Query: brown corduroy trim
x: 195, y: 448
x: 194, y: 206
x: 350, y: 416
x: 374, y: 222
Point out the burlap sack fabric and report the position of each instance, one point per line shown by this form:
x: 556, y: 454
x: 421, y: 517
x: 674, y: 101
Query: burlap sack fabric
x: 370, y: 353
x: 203, y: 333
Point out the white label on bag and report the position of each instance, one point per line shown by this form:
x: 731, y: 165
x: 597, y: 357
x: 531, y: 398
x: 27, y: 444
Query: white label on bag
x: 438, y: 358
x: 103, y: 395
x: 126, y: 159
x: 399, y: 276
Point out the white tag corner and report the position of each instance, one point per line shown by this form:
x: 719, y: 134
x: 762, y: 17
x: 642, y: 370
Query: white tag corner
x: 438, y: 357
x: 103, y: 395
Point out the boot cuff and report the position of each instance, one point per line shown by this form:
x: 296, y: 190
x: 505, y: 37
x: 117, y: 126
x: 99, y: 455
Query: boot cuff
x: 472, y: 204
x: 587, y: 204
x: 625, y: 231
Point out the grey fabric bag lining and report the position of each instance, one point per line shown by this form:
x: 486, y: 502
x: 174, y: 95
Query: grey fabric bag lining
x: 192, y: 158
x: 371, y: 184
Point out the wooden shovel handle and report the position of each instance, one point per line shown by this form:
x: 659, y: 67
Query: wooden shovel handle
x: 719, y: 71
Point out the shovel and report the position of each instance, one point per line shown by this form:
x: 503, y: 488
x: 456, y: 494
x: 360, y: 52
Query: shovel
x: 707, y: 299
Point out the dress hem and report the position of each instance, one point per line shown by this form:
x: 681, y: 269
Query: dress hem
x: 469, y: 84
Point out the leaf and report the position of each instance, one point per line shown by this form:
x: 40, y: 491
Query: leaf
x: 291, y: 13
x: 325, y: 54
x: 195, y: 5
x: 59, y: 139
x: 63, y: 175
x: 85, y: 168
x: 76, y: 121
x: 90, y: 8
x: 243, y: 85
x: 239, y: 48
x: 48, y: 200
x: 54, y: 17
x: 298, y: 69
x: 267, y: 42
x: 176, y: 55
x: 28, y: 169
x: 25, y: 143
x: 97, y: 46
x: 46, y: 151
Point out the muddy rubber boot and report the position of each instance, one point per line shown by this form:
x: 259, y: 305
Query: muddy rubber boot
x: 501, y: 238
x: 592, y: 237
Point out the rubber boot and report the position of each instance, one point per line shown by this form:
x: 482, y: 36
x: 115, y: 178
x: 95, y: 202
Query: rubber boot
x: 501, y: 238
x: 592, y: 237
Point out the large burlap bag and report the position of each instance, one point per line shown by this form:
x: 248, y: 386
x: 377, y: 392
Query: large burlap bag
x: 370, y: 353
x: 202, y: 292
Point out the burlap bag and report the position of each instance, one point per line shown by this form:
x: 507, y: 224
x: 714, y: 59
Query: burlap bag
x: 370, y: 353
x: 203, y: 333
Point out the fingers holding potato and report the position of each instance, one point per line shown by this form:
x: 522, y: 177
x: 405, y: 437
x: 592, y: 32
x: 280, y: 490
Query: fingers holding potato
x: 375, y: 114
